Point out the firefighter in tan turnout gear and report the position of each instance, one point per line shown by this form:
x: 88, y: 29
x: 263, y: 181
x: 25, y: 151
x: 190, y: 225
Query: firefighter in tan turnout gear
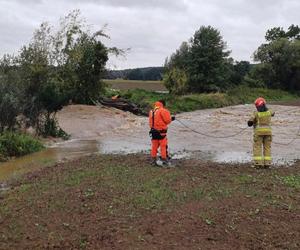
x: 261, y: 122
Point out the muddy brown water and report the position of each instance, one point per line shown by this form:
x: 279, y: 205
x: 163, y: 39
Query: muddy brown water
x: 102, y: 130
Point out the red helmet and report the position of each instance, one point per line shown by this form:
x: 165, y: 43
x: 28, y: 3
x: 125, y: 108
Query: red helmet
x: 260, y: 102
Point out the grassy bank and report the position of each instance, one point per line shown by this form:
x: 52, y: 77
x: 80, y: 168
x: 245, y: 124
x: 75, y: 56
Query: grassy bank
x: 122, y: 202
x: 13, y: 144
x: 239, y: 95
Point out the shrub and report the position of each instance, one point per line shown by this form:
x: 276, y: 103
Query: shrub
x: 18, y: 144
x: 50, y: 127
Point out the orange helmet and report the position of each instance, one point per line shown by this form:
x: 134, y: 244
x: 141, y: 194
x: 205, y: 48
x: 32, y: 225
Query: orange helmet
x: 260, y: 102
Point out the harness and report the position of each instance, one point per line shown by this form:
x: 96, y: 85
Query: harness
x: 154, y: 133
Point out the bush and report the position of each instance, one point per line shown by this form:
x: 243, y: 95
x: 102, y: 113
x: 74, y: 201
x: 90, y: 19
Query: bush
x: 50, y: 127
x: 17, y: 144
x: 176, y: 81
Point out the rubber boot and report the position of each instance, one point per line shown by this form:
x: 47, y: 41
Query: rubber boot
x: 166, y: 163
x: 153, y: 161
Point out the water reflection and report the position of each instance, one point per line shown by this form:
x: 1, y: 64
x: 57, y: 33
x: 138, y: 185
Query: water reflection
x: 57, y: 153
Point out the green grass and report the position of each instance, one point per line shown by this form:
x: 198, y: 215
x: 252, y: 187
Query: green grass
x: 244, y: 94
x: 291, y: 181
x: 14, y: 144
x: 77, y: 177
x: 244, y: 179
x: 121, y: 190
x: 239, y: 95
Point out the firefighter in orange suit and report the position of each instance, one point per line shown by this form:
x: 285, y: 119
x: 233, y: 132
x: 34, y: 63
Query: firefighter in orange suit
x: 262, y: 138
x: 159, y: 119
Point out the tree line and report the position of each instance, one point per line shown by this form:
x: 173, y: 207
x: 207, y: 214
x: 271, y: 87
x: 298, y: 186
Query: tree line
x: 143, y: 74
x: 203, y: 64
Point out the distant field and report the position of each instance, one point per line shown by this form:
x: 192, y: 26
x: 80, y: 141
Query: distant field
x: 132, y: 84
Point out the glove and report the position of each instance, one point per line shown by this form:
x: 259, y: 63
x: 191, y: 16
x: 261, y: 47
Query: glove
x: 173, y: 118
x: 250, y: 123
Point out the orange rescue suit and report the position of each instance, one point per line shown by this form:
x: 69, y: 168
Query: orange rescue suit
x: 162, y: 118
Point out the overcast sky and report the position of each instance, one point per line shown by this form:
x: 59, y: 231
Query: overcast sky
x: 153, y: 29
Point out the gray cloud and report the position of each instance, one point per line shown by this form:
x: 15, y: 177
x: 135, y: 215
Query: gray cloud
x: 153, y: 29
x: 170, y: 4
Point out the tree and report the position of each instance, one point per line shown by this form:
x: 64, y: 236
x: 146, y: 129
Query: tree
x: 276, y: 33
x: 135, y: 74
x: 176, y: 81
x: 58, y: 65
x: 279, y: 59
x: 239, y: 71
x: 86, y: 67
x: 144, y: 74
x: 10, y: 106
x: 204, y: 61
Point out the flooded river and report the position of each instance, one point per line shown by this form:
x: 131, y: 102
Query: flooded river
x: 101, y: 130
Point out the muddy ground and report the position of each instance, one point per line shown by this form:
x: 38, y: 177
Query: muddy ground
x: 122, y: 202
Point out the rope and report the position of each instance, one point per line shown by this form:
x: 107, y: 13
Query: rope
x: 133, y: 139
x: 211, y: 136
x: 238, y: 133
x: 291, y: 141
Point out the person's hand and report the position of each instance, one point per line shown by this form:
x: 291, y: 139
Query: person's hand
x: 173, y: 118
x: 250, y: 123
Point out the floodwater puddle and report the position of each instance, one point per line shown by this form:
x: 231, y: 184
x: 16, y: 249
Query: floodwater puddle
x: 56, y: 153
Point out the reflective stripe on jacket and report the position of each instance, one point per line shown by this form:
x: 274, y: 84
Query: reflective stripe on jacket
x: 262, y: 122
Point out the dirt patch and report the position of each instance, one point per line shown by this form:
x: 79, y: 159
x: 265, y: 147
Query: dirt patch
x: 122, y: 202
x: 131, y: 84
